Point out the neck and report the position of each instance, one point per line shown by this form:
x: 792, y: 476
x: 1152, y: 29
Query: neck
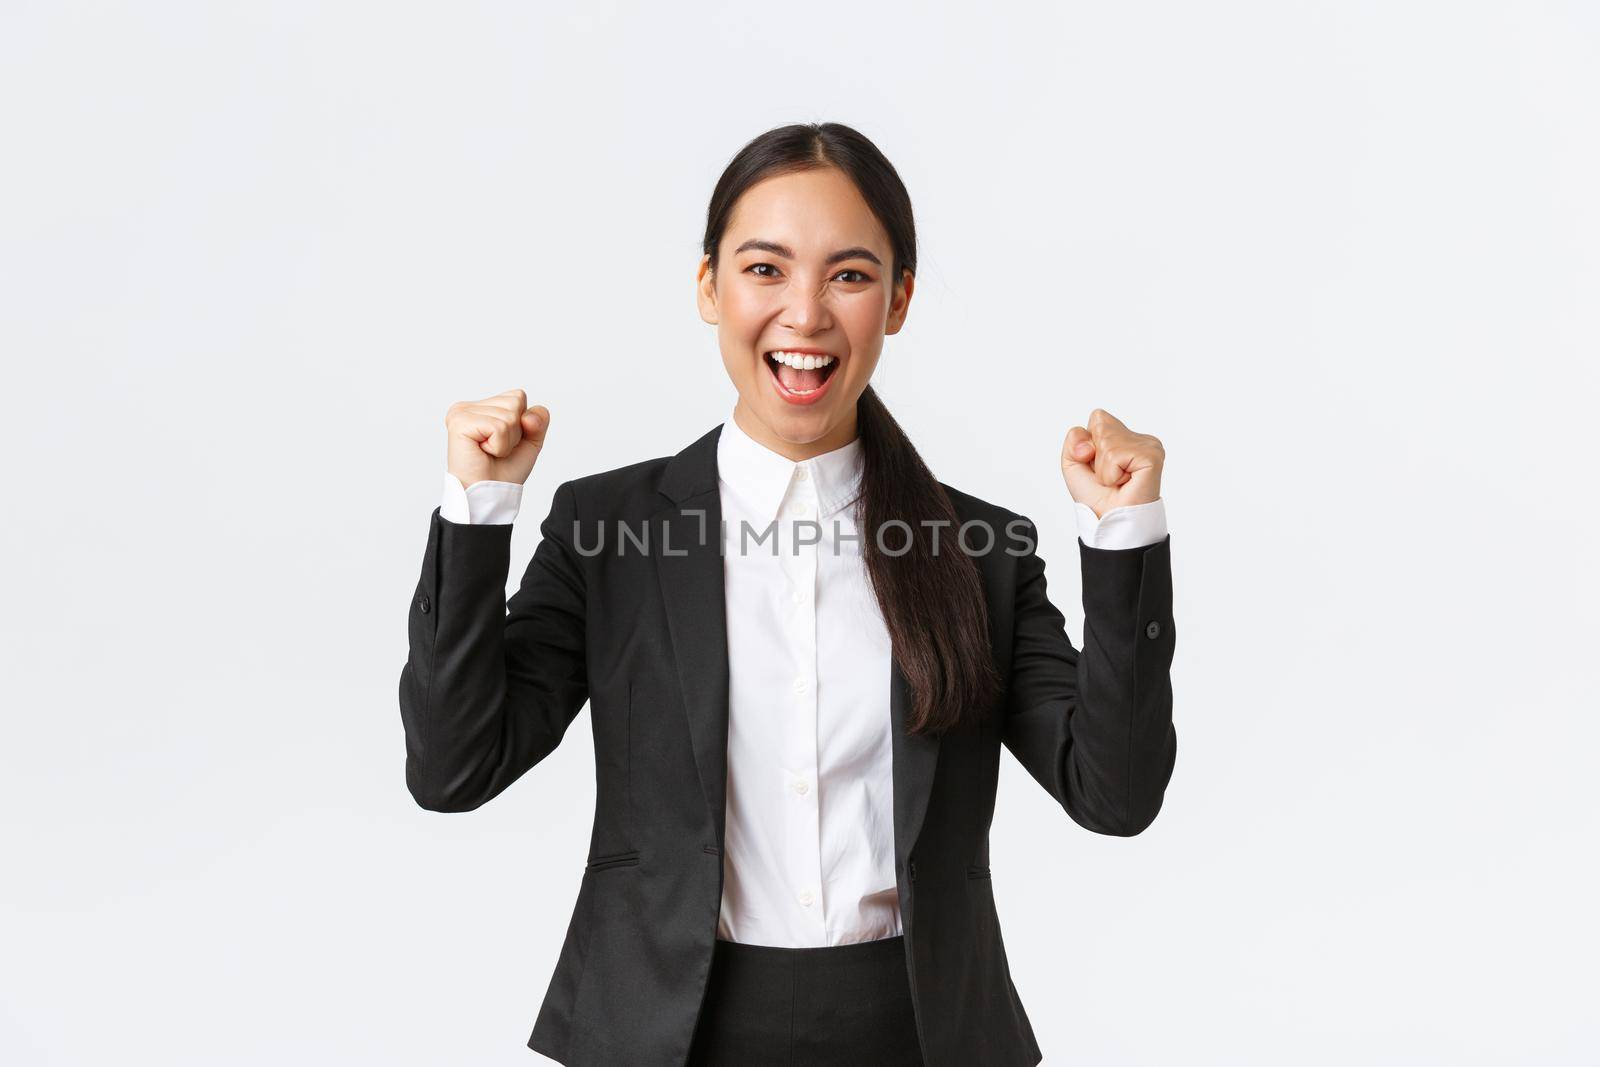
x: 836, y: 436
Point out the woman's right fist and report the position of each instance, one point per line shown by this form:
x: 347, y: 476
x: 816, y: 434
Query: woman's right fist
x: 496, y: 439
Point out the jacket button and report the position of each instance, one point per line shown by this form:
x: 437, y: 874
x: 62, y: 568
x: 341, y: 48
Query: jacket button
x: 424, y: 605
x: 913, y: 869
x: 1153, y: 631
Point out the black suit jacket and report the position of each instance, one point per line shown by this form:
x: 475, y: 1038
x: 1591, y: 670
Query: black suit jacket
x: 490, y: 686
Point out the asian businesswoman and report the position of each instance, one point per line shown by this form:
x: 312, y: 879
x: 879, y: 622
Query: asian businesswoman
x: 802, y: 655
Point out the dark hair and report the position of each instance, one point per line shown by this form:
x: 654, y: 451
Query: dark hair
x: 932, y: 602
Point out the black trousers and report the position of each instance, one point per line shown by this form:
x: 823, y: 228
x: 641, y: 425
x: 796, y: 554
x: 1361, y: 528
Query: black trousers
x: 829, y: 1006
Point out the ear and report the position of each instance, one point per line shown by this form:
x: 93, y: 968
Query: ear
x: 900, y: 302
x: 705, y: 290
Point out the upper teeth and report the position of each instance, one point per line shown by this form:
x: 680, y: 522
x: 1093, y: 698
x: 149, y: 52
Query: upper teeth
x: 801, y: 361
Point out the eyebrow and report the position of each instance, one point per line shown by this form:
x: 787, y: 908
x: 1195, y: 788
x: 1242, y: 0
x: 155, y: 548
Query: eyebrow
x: 756, y: 244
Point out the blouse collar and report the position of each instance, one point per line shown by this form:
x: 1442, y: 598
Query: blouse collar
x: 762, y: 477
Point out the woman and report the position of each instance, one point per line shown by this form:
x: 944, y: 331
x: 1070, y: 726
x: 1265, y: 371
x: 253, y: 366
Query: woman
x: 802, y: 655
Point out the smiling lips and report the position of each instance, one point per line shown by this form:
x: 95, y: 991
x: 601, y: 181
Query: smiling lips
x: 800, y: 377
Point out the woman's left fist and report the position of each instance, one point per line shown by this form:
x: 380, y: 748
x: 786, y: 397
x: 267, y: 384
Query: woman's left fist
x: 1109, y: 466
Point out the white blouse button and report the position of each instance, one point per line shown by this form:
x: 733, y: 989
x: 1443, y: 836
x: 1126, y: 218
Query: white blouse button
x: 800, y: 472
x: 806, y: 898
x: 799, y: 685
x: 802, y: 787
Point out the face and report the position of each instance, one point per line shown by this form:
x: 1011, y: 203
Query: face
x: 802, y: 299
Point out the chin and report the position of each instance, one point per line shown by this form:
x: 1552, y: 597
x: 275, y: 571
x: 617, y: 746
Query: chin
x: 780, y: 416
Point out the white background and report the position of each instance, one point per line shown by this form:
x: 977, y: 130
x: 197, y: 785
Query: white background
x: 1341, y: 258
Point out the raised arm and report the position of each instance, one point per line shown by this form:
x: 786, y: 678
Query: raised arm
x: 1095, y: 727
x: 489, y: 687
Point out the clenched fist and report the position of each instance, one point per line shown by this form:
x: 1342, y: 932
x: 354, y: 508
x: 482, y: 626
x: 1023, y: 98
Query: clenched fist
x: 496, y: 439
x: 1109, y: 466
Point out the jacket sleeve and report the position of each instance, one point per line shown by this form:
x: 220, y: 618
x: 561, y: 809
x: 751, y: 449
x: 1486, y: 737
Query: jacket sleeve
x: 489, y: 687
x: 1095, y: 727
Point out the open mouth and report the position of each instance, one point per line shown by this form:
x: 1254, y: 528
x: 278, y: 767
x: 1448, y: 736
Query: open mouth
x: 800, y: 377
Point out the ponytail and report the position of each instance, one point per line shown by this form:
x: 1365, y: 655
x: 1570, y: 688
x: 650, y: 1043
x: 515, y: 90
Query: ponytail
x: 931, y: 601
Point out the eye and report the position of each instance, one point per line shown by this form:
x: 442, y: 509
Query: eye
x: 756, y: 267
x: 859, y: 276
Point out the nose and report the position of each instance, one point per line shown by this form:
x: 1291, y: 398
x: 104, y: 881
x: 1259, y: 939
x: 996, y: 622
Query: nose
x: 805, y: 311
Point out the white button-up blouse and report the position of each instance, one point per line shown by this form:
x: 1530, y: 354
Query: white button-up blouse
x: 808, y: 852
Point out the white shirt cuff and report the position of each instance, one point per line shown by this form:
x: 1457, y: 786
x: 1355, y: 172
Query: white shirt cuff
x: 485, y: 503
x: 1130, y: 526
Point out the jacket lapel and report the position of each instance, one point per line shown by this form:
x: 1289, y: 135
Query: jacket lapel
x: 915, y: 757
x: 687, y: 547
